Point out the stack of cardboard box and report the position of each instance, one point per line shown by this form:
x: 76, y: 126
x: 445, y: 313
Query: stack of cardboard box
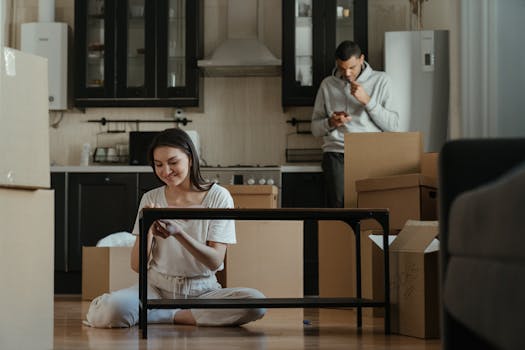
x: 388, y: 170
x: 366, y: 155
x: 26, y: 204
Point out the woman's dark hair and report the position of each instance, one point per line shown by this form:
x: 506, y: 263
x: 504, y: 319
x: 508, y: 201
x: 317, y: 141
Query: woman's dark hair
x: 346, y: 50
x: 178, y: 138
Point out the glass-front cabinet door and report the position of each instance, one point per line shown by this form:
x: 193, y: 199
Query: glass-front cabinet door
x: 137, y: 52
x: 312, y: 29
x: 177, y: 48
x: 94, y: 63
x: 302, y: 50
x: 135, y: 49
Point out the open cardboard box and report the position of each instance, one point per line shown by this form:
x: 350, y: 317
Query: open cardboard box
x: 414, y: 280
x: 106, y: 269
x: 413, y: 277
x: 373, y: 269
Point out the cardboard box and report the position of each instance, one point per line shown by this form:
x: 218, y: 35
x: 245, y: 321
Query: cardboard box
x: 106, y: 269
x: 336, y: 263
x: 373, y: 269
x: 366, y: 155
x: 26, y: 268
x: 414, y: 280
x: 25, y: 122
x: 268, y: 256
x: 408, y: 197
x: 248, y: 196
x: 377, y: 155
x: 430, y: 165
x: 253, y: 196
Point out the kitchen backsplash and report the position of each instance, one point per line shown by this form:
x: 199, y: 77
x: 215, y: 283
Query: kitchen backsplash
x: 241, y: 122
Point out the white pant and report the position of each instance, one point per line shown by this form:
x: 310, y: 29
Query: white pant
x: 121, y: 308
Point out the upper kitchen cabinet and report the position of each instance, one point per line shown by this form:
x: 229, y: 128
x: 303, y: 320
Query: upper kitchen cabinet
x: 137, y: 53
x: 312, y: 29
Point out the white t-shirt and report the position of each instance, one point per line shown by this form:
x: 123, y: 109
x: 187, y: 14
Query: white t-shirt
x: 168, y: 255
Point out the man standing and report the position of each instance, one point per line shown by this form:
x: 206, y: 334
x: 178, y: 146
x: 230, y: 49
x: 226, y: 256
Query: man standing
x: 355, y: 98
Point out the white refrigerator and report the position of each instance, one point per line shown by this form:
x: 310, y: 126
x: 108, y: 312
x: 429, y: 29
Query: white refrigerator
x: 418, y: 63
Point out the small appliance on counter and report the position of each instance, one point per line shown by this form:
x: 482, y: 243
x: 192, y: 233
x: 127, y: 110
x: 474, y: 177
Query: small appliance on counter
x: 139, y: 142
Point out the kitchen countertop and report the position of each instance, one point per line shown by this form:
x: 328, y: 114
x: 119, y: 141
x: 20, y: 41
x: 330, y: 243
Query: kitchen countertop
x: 301, y: 168
x: 101, y: 169
x: 286, y: 168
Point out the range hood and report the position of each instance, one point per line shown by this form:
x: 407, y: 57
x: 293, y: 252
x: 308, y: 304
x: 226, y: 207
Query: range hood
x: 243, y: 53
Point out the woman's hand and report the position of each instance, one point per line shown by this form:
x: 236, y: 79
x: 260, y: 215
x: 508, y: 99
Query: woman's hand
x: 165, y: 228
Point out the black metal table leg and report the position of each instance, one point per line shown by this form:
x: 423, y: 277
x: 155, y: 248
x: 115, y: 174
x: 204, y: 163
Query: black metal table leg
x: 357, y: 231
x: 143, y: 278
x: 385, y: 226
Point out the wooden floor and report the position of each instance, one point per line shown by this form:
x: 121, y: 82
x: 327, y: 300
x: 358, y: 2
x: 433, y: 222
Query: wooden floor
x: 279, y: 329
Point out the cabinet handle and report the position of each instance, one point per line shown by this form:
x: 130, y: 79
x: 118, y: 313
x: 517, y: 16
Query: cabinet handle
x: 107, y: 179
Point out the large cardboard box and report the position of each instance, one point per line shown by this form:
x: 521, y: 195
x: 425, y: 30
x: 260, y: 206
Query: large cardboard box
x: 106, y: 269
x: 268, y: 256
x: 373, y: 269
x: 24, y: 118
x: 253, y: 196
x: 430, y: 165
x: 366, y: 155
x: 414, y: 280
x: 408, y: 197
x: 379, y: 154
x: 26, y: 268
x: 247, y: 196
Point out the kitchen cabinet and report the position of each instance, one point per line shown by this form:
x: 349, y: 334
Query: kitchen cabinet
x: 306, y: 190
x: 312, y: 29
x: 137, y: 53
x: 88, y: 207
x: 147, y: 181
x: 58, y: 184
x: 99, y: 204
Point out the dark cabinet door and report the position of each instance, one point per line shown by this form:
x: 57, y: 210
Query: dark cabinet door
x: 137, y: 53
x: 148, y: 181
x: 58, y: 184
x: 302, y: 190
x: 312, y: 29
x: 99, y: 204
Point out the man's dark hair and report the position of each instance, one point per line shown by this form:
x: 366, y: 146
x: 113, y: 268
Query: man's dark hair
x: 346, y: 50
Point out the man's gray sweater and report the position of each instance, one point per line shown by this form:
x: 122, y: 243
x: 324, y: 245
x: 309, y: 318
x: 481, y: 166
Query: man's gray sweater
x: 334, y: 96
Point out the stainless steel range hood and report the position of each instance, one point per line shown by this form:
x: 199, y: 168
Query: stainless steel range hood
x: 243, y: 53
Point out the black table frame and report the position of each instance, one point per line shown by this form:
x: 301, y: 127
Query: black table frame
x: 352, y: 217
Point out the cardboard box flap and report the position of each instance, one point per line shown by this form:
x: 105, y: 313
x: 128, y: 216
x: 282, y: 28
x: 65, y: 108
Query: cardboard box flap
x: 416, y: 236
x: 378, y: 240
x: 395, y: 181
x: 251, y: 189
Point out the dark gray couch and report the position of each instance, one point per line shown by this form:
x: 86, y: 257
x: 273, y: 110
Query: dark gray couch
x: 482, y: 234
